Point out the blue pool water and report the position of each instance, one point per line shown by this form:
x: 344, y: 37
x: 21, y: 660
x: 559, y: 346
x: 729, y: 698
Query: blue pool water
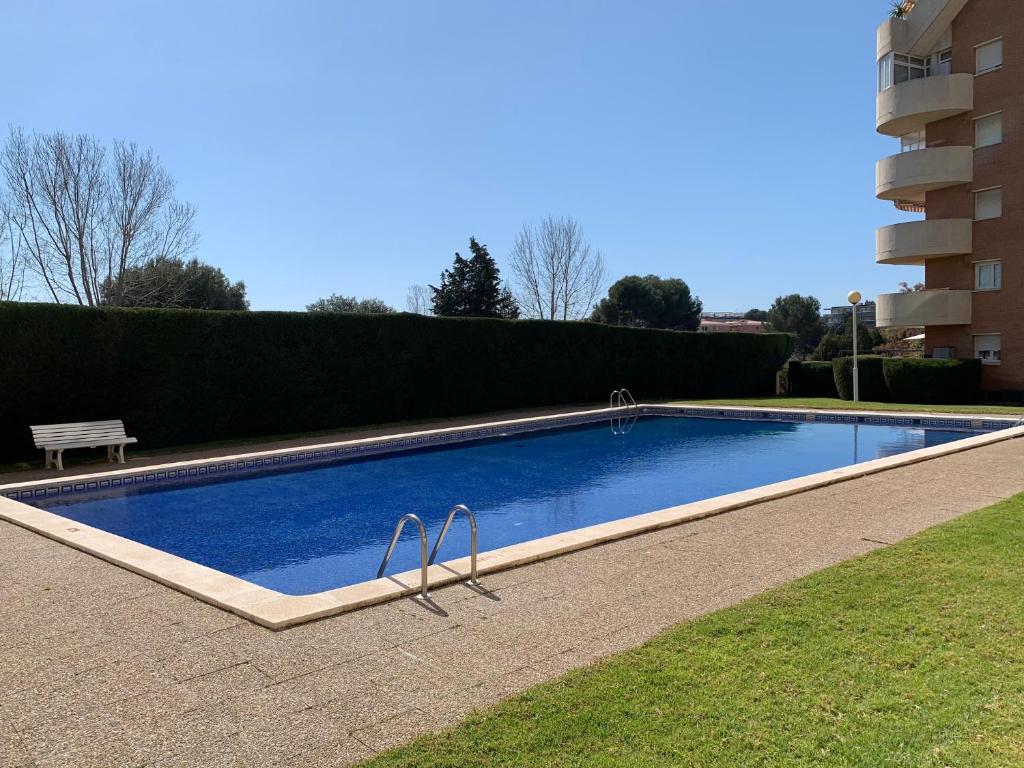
x: 309, y: 529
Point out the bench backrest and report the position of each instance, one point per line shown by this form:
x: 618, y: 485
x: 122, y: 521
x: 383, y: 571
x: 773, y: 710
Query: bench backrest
x: 79, y: 432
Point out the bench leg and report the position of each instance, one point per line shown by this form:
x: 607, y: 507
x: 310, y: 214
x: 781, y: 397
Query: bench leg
x: 60, y: 459
x: 49, y: 459
x: 53, y: 459
x: 120, y: 454
x: 110, y: 453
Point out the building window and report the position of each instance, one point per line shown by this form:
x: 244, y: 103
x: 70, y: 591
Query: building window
x: 988, y: 130
x: 896, y: 68
x: 988, y: 348
x: 912, y: 141
x: 988, y: 275
x: 988, y: 56
x: 988, y: 204
x: 941, y: 63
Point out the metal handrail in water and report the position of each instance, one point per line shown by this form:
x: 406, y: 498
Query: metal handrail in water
x: 423, y: 550
x: 472, y: 538
x: 622, y: 426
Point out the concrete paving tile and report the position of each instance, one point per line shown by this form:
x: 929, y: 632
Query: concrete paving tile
x: 344, y: 751
x: 200, y: 735
x: 396, y: 730
x: 13, y: 752
x: 157, y: 705
x: 83, y: 741
x: 269, y: 741
x: 222, y: 683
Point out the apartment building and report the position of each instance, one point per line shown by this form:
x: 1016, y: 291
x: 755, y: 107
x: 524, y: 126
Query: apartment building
x: 951, y: 93
x: 838, y: 318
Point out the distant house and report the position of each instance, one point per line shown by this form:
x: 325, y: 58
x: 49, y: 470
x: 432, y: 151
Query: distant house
x: 725, y: 322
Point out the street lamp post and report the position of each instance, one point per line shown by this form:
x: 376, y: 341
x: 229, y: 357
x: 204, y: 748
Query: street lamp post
x: 854, y: 298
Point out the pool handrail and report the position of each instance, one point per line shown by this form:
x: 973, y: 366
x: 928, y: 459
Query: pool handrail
x: 423, y: 550
x: 617, y: 399
x: 472, y: 539
x: 623, y: 394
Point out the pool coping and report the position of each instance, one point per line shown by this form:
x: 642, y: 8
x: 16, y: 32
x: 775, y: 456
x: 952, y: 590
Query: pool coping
x: 276, y: 610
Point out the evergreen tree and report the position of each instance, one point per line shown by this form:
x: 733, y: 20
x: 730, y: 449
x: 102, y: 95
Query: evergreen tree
x: 350, y: 305
x: 800, y: 315
x: 650, y: 302
x: 174, y: 283
x: 472, y: 288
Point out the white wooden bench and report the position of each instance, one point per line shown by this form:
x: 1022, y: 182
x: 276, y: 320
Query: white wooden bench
x: 56, y: 438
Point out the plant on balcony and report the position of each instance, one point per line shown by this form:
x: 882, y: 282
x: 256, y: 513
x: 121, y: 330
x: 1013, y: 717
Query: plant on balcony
x: 898, y: 9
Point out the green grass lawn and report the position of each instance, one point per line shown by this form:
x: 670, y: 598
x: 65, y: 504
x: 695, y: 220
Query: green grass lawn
x: 831, y: 402
x: 910, y: 656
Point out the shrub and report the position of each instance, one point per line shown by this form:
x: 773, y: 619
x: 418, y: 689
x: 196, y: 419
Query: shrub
x: 811, y: 379
x: 920, y: 380
x: 871, y: 379
x: 189, y: 376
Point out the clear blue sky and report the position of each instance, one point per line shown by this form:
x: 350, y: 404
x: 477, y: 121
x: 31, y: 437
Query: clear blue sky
x: 353, y: 147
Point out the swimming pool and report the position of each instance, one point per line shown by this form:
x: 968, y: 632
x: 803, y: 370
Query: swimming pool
x: 309, y: 528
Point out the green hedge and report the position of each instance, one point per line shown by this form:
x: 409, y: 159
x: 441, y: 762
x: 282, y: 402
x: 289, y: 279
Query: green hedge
x: 186, y: 376
x: 872, y: 380
x: 910, y: 380
x: 920, y: 380
x: 811, y: 379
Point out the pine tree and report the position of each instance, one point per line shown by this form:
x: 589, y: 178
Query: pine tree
x: 472, y: 288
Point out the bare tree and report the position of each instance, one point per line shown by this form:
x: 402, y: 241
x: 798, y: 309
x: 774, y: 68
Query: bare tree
x: 86, y: 215
x: 556, y: 273
x: 420, y: 300
x: 12, y: 266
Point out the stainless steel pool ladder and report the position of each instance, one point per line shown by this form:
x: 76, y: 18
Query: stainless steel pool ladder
x: 472, y: 539
x: 622, y: 398
x: 427, y: 561
x: 423, y: 550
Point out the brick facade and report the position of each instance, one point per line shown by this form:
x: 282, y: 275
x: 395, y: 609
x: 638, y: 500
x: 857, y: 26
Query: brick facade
x: 1002, y: 165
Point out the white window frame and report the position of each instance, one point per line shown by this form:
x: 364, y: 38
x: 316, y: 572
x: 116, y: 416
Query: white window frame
x: 977, y: 50
x: 940, y: 63
x: 888, y: 64
x: 996, y: 271
x: 977, y: 122
x: 978, y: 192
x: 913, y: 141
x: 997, y: 349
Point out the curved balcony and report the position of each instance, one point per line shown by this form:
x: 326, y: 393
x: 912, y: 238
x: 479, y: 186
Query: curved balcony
x: 909, y: 175
x: 910, y: 106
x: 914, y: 241
x: 922, y: 308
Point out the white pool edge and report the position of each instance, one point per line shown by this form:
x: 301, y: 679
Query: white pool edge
x: 275, y: 610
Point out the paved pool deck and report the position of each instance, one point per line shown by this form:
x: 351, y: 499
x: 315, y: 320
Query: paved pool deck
x: 102, y: 667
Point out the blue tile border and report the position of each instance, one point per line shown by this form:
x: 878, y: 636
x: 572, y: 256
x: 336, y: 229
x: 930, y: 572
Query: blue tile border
x: 47, y: 488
